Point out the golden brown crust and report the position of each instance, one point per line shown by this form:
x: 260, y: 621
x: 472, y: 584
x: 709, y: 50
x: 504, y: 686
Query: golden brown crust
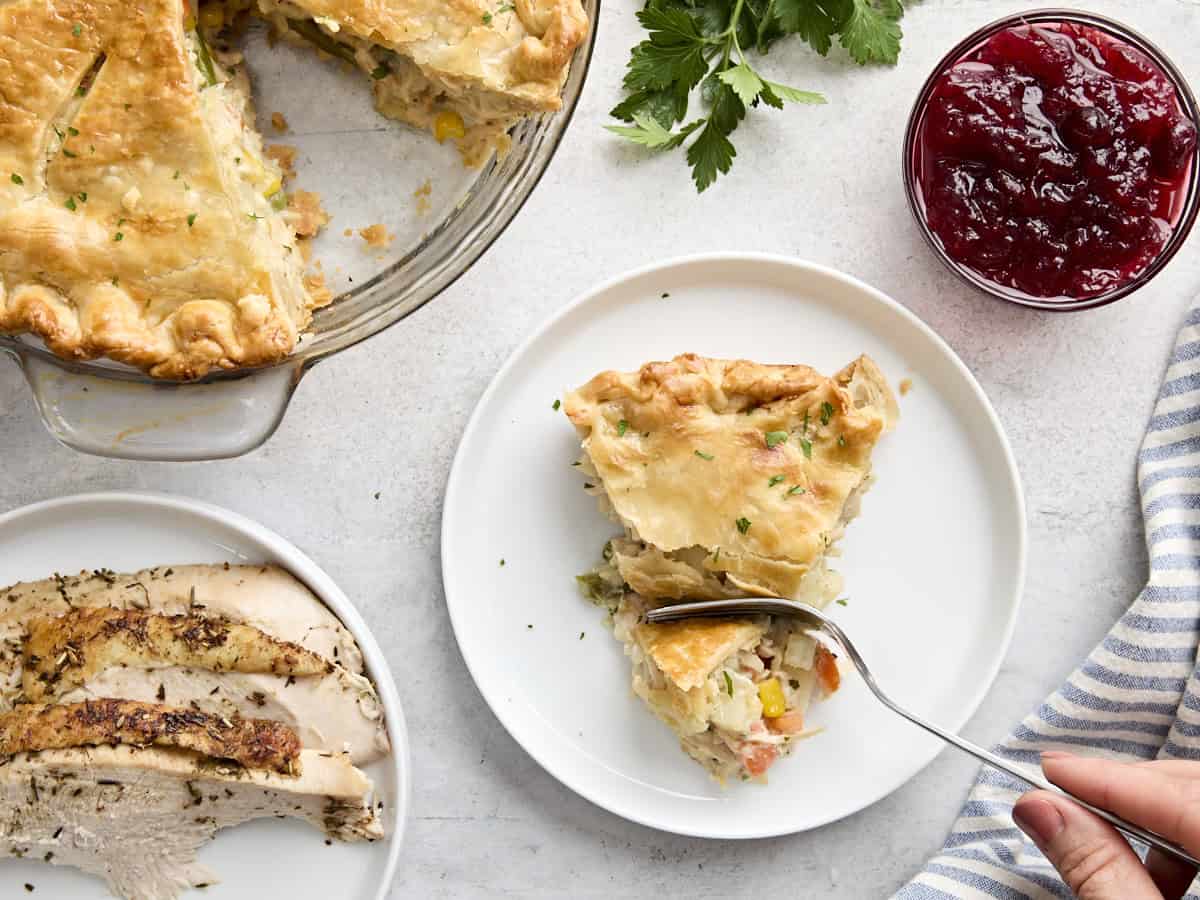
x: 521, y: 59
x: 688, y: 652
x: 754, y: 465
x: 123, y: 233
x: 254, y: 743
x: 62, y: 653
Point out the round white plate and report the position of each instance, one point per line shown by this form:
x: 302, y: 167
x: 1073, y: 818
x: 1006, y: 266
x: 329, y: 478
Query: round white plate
x: 933, y: 565
x: 130, y: 531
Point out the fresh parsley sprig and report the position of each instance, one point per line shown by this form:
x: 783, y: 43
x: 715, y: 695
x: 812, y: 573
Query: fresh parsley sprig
x: 702, y: 44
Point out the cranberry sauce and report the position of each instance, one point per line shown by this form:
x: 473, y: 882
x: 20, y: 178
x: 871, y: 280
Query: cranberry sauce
x: 1054, y: 160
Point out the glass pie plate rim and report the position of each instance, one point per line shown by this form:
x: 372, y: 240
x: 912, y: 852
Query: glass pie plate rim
x: 439, y: 259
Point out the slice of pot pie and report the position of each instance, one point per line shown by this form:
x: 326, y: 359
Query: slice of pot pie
x: 466, y: 70
x: 730, y: 478
x: 139, y: 217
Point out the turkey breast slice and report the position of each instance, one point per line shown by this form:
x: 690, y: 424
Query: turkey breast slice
x: 137, y: 817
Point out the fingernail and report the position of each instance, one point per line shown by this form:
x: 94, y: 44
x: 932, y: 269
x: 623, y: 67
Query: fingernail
x: 1038, y: 819
x: 1056, y: 754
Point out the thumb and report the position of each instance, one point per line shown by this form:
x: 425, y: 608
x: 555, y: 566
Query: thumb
x: 1093, y: 859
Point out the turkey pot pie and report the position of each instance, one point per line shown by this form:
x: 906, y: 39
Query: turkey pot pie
x: 729, y: 478
x: 141, y: 218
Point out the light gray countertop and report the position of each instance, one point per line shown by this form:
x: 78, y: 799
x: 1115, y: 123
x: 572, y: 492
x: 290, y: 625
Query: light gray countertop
x: 356, y: 472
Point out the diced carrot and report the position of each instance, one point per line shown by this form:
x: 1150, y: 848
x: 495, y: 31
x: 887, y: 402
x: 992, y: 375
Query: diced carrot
x: 757, y: 758
x: 789, y: 723
x: 827, y: 670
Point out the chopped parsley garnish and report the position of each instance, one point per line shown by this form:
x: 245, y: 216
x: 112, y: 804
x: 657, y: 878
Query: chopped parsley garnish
x: 58, y: 132
x: 501, y: 562
x: 487, y: 18
x: 728, y: 682
x: 774, y: 438
x: 279, y: 202
x: 77, y: 30
x: 17, y: 179
x: 115, y: 281
x: 70, y: 204
x: 253, y: 216
x: 743, y: 524
x: 176, y: 175
x: 191, y: 220
x: 581, y: 635
x: 622, y: 427
x: 83, y: 196
x: 68, y: 154
x: 796, y: 489
x: 557, y: 405
x: 380, y: 72
x: 81, y: 91
x: 806, y: 446
x: 842, y: 601
x: 775, y: 479
x: 841, y: 440
x: 120, y: 222
x: 72, y: 131
x: 118, y: 236
x: 826, y: 412
x: 707, y: 457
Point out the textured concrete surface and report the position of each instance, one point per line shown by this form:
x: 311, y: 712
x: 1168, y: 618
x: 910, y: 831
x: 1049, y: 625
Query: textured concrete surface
x: 1073, y: 391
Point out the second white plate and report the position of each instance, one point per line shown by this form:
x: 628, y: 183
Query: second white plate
x: 129, y: 531
x: 933, y: 566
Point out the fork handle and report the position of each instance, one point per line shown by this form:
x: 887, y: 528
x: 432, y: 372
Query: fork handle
x: 1127, y: 828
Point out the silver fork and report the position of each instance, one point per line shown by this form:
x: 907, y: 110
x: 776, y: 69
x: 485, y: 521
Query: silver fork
x: 818, y: 621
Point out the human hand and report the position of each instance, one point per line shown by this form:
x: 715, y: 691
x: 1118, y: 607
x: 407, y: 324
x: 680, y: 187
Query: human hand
x: 1093, y: 858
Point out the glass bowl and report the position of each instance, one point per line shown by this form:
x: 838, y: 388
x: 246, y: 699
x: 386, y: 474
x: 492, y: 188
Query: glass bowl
x: 367, y: 170
x: 1190, y: 205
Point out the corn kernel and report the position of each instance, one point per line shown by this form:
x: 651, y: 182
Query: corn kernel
x: 212, y: 16
x: 448, y: 125
x: 770, y: 692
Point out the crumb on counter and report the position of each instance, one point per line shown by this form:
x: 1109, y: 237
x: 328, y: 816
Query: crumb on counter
x: 376, y: 236
x: 905, y: 387
x: 285, y: 156
x: 278, y: 122
x: 349, y: 232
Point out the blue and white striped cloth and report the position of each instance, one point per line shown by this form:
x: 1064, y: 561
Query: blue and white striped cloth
x: 1136, y: 697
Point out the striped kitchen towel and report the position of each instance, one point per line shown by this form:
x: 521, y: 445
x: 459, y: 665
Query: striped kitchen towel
x: 1136, y: 697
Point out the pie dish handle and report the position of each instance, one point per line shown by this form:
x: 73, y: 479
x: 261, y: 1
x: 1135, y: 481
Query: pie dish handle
x: 134, y: 418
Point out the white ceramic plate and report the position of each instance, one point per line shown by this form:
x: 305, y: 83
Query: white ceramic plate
x: 129, y: 531
x: 933, y: 566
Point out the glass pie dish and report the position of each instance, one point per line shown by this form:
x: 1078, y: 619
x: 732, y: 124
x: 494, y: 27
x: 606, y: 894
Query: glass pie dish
x: 368, y: 170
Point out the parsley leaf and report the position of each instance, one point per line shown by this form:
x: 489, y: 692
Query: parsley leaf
x: 826, y: 412
x: 728, y: 682
x: 707, y: 457
x: 744, y: 81
x: 649, y: 132
x: 673, y: 53
x: 556, y: 405
x: 17, y: 179
x: 806, y: 446
x: 842, y: 601
x: 743, y: 524
x: 775, y: 438
x: 700, y: 47
x: 775, y: 479
x: 622, y: 427
x: 796, y: 489
x: 871, y: 33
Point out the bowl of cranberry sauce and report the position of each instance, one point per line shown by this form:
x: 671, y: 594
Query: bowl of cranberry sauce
x: 1050, y: 160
